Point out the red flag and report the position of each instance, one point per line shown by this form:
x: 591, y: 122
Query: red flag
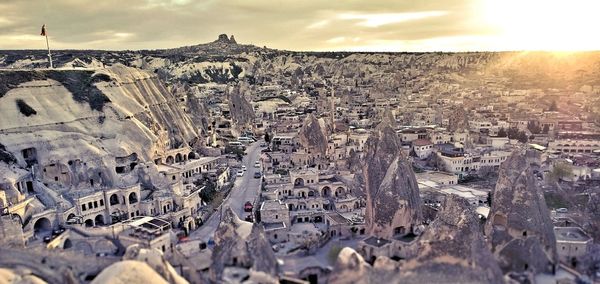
x: 43, y: 33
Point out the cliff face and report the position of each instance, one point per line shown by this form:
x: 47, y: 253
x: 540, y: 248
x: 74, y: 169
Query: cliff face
x: 393, y: 201
x: 592, y: 215
x: 312, y: 135
x: 88, y: 123
x: 519, y: 229
x: 241, y: 111
x: 241, y: 244
x: 452, y: 250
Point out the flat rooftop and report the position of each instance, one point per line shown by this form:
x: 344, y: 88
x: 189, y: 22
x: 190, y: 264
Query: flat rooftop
x: 570, y: 234
x: 376, y: 242
x: 273, y: 205
x: 274, y: 226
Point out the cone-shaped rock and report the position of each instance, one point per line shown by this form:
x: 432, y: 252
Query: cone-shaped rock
x: 241, y: 244
x: 452, y: 250
x: 311, y: 135
x: 519, y: 229
x: 393, y: 202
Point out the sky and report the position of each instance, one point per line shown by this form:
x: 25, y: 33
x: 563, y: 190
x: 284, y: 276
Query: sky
x: 309, y: 25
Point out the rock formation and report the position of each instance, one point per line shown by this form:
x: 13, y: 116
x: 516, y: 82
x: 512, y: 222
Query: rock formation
x: 157, y: 261
x: 223, y: 38
x: 129, y: 271
x: 312, y: 136
x: 8, y: 276
x: 519, y: 229
x: 89, y: 123
x: 452, y: 250
x: 350, y: 267
x: 592, y: 215
x: 241, y: 111
x: 240, y: 244
x: 393, y: 201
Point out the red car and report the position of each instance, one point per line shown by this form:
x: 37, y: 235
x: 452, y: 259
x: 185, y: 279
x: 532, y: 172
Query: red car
x: 248, y: 206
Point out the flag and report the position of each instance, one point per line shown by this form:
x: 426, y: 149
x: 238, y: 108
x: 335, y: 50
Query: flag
x: 43, y: 33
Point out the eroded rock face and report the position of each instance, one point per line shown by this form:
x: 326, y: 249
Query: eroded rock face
x: 452, y: 250
x: 393, y: 201
x: 240, y: 109
x: 88, y: 124
x: 519, y: 229
x: 592, y: 215
x: 241, y: 244
x: 312, y: 136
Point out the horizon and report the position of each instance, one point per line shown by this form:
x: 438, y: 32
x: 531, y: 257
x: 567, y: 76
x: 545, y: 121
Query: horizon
x: 314, y: 51
x: 310, y: 26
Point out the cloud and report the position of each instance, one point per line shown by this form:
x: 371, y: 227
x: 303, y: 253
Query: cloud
x: 284, y: 24
x: 318, y: 25
x: 377, y: 20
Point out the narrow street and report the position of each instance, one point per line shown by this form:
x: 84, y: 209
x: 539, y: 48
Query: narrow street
x: 245, y: 188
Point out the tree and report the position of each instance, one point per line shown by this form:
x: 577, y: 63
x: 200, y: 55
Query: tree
x: 208, y: 192
x: 546, y: 129
x: 553, y: 106
x: 267, y: 137
x: 534, y: 127
x: 560, y: 171
x: 502, y: 132
x: 239, y: 152
x: 522, y: 137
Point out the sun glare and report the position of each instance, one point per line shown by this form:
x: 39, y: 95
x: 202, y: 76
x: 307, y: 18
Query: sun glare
x: 544, y: 24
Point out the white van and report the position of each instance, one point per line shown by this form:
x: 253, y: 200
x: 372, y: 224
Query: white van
x: 245, y: 140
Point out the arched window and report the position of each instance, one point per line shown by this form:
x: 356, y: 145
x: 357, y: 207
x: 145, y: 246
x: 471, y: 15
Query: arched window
x: 133, y: 198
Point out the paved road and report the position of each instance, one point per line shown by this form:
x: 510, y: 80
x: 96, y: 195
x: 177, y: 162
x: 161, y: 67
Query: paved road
x: 245, y: 188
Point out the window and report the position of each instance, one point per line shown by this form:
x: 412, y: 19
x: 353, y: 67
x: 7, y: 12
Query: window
x: 83, y: 207
x: 101, y: 202
x: 276, y: 216
x: 95, y: 204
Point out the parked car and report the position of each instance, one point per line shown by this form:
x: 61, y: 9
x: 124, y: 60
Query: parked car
x: 58, y: 231
x: 257, y: 164
x: 249, y: 218
x: 47, y: 239
x: 240, y: 173
x: 562, y: 210
x: 257, y: 175
x: 248, y: 206
x: 263, y: 144
x: 243, y: 168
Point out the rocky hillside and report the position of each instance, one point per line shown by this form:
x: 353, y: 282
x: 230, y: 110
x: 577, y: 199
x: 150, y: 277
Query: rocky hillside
x: 76, y: 126
x: 226, y: 61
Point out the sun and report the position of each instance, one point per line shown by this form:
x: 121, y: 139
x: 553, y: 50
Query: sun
x: 543, y: 24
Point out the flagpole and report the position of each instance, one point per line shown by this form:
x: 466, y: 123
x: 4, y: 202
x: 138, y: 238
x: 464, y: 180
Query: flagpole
x: 49, y: 54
